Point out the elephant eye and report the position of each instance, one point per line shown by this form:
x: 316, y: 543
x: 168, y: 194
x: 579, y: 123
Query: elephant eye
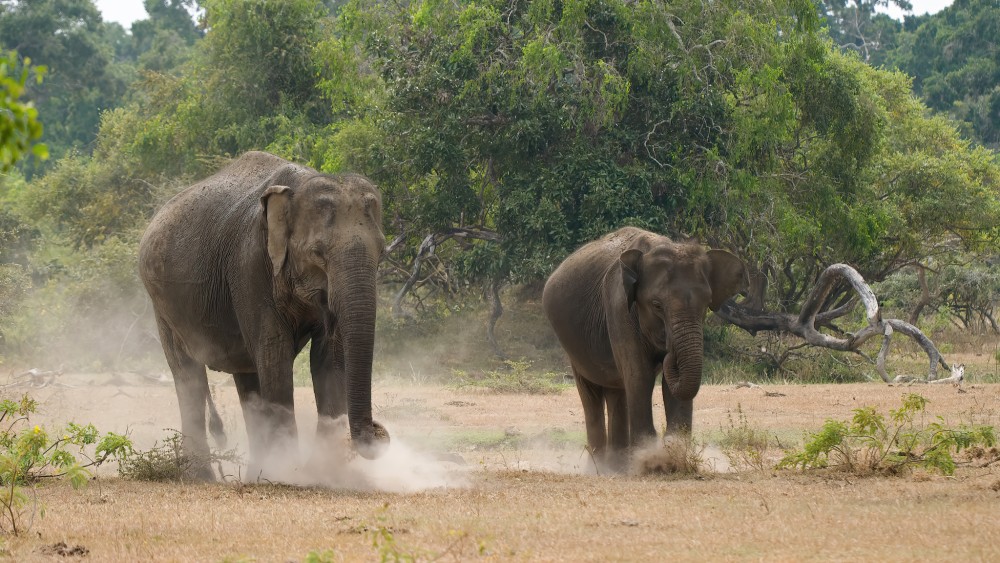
x: 657, y: 305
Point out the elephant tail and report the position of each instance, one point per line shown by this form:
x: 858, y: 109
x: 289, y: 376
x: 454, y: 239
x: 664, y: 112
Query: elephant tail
x: 215, y: 423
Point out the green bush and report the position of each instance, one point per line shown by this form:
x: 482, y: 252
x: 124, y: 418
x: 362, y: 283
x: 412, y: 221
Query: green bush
x: 871, y: 443
x: 30, y: 453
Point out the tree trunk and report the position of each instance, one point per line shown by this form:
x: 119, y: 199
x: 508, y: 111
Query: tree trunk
x: 496, y: 311
x: 925, y: 295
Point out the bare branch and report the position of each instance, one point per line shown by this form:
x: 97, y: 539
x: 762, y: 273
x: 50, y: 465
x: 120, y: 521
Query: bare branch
x: 426, y: 250
x: 804, y: 324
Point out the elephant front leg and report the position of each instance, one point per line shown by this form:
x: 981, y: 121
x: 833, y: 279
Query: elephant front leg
x: 248, y: 389
x: 639, y: 397
x: 329, y: 378
x: 329, y: 375
x: 679, y: 413
x: 272, y: 418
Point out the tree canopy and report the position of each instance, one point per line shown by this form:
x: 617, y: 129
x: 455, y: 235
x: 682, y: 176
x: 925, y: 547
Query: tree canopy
x: 20, y: 128
x: 506, y: 134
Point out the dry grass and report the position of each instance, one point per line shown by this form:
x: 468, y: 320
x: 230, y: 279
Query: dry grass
x: 522, y: 488
x: 537, y: 516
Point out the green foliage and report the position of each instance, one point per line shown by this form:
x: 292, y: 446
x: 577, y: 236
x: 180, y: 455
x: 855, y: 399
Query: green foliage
x: 69, y: 38
x: 963, y: 287
x: 325, y: 556
x: 19, y: 125
x: 872, y: 442
x: 515, y: 377
x: 537, y: 125
x: 953, y: 56
x: 14, y: 286
x: 29, y: 453
x: 856, y: 26
x: 163, y: 42
x: 88, y: 201
x: 554, y: 123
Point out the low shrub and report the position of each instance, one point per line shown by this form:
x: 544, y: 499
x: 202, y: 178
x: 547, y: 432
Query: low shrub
x: 870, y: 442
x: 29, y: 453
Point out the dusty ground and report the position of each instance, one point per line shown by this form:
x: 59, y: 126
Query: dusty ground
x: 473, y: 474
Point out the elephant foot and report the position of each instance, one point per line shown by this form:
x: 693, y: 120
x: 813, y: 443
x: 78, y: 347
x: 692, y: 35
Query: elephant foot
x: 607, y: 462
x: 372, y: 444
x: 201, y: 471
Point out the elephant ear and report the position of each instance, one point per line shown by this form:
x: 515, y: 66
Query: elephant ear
x: 727, y: 278
x: 631, y: 263
x: 276, y: 218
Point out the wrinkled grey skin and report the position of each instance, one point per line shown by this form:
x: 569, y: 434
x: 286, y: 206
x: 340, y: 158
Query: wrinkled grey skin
x: 247, y: 266
x: 622, y: 307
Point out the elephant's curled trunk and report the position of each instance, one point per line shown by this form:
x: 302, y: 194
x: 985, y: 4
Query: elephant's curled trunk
x: 682, y: 365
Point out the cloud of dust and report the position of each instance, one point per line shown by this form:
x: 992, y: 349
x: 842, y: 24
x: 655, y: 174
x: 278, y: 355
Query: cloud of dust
x: 678, y: 455
x: 330, y: 461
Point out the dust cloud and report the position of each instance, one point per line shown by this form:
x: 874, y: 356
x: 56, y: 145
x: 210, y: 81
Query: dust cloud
x: 329, y: 461
x: 677, y: 455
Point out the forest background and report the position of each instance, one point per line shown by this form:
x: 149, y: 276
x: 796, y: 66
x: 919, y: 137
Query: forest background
x: 503, y: 135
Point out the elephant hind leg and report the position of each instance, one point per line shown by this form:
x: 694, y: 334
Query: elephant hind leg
x: 191, y: 384
x: 215, y: 425
x: 592, y: 397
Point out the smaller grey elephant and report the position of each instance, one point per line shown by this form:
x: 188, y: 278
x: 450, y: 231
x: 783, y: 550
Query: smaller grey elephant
x: 622, y: 307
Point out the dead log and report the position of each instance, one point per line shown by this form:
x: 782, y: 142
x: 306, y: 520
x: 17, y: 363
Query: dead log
x: 957, y: 375
x: 806, y: 324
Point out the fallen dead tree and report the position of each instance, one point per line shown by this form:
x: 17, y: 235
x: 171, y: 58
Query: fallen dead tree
x: 806, y: 324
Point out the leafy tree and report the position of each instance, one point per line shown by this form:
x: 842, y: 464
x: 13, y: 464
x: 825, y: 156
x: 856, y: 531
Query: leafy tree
x: 19, y: 133
x: 20, y: 128
x: 250, y: 83
x: 68, y: 37
x: 953, y: 56
x: 552, y: 123
x: 163, y: 41
x: 964, y: 287
x: 857, y: 25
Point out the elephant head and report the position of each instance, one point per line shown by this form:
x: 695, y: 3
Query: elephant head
x: 324, y: 240
x: 670, y: 286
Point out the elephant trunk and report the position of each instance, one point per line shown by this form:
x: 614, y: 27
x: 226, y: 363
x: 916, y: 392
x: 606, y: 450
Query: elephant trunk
x: 683, y: 364
x: 356, y: 318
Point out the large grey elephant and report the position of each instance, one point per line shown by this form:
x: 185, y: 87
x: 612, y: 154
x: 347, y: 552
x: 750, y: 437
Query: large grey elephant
x: 247, y: 266
x: 625, y: 305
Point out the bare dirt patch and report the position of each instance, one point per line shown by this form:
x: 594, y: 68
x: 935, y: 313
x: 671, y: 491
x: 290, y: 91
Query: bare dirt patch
x: 518, y: 485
